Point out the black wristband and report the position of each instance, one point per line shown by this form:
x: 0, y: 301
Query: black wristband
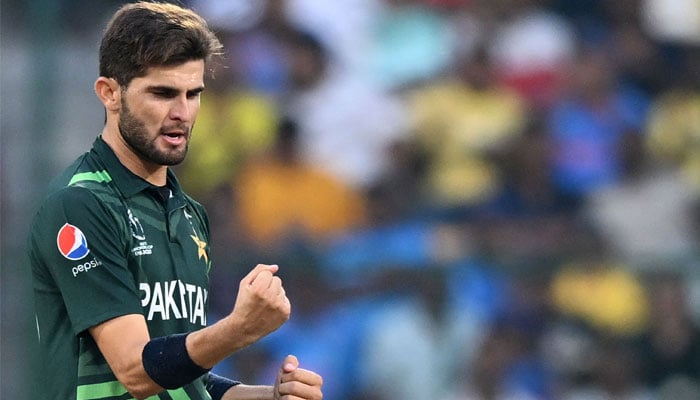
x: 218, y: 385
x: 167, y: 362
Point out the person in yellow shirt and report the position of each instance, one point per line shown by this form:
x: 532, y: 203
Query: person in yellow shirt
x: 673, y: 131
x: 278, y: 196
x: 606, y: 295
x: 462, y: 122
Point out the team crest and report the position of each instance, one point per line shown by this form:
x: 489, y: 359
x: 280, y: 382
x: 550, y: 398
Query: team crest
x: 72, y: 243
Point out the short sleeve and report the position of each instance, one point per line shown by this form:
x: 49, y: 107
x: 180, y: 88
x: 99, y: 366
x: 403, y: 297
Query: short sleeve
x: 78, y: 241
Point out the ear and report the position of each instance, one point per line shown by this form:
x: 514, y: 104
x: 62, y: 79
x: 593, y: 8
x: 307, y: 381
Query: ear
x: 109, y: 92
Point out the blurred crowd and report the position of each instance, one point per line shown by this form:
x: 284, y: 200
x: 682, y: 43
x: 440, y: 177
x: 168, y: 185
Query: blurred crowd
x: 468, y: 199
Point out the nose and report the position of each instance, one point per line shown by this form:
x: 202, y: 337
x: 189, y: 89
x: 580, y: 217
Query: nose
x: 183, y: 109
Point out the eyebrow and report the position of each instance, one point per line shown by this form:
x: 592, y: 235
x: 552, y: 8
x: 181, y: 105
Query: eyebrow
x: 172, y: 90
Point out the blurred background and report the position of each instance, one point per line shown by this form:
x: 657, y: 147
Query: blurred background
x: 468, y: 199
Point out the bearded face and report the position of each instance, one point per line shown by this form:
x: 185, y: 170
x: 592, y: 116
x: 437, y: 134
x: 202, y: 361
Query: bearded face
x: 148, y: 145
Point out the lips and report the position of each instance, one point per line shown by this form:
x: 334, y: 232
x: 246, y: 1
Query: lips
x: 175, y: 138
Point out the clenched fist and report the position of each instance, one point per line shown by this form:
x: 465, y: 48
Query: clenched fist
x: 262, y: 305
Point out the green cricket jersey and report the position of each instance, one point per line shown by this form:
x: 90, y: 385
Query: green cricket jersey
x: 106, y: 243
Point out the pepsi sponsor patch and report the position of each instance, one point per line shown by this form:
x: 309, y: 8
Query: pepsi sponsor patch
x: 71, y: 242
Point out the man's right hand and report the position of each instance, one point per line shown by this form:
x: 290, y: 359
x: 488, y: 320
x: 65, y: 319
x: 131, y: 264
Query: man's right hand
x: 262, y: 305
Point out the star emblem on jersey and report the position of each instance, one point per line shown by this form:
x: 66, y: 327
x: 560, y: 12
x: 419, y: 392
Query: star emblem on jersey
x: 201, y: 247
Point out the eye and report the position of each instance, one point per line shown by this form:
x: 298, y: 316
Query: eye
x: 194, y: 94
x: 165, y: 93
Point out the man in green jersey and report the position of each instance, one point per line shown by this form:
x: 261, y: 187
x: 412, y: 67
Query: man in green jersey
x: 120, y: 255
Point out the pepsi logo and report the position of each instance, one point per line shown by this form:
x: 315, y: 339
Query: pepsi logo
x: 72, y: 243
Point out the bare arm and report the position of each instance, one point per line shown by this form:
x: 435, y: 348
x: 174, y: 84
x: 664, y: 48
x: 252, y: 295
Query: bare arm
x: 248, y: 392
x: 121, y: 341
x: 261, y: 307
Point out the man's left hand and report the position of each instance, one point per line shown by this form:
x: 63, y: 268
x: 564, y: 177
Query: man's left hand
x: 294, y: 383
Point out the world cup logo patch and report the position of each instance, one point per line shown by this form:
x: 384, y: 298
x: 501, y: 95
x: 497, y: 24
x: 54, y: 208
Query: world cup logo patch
x: 72, y: 243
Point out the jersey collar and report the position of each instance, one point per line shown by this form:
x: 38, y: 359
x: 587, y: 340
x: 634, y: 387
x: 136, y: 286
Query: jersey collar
x: 126, y: 181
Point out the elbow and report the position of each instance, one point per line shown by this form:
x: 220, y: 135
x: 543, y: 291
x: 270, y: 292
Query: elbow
x: 141, y: 390
x: 137, y: 382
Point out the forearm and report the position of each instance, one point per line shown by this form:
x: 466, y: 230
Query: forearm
x: 210, y: 345
x: 261, y: 307
x: 121, y: 340
x: 248, y: 392
x: 146, y: 365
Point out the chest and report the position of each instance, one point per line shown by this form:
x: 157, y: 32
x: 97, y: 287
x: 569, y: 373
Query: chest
x: 168, y: 251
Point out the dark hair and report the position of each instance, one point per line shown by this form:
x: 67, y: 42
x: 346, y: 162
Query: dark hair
x: 144, y: 34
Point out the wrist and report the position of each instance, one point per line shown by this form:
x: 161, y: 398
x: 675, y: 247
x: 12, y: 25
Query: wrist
x: 210, y: 345
x: 250, y: 392
x: 237, y: 332
x: 218, y: 386
x: 167, y: 361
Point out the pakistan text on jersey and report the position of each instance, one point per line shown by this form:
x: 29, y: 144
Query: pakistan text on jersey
x: 174, y: 299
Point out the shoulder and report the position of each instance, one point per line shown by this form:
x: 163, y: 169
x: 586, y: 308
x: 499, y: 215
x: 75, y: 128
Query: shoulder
x: 81, y: 190
x: 74, y: 203
x: 82, y: 204
x: 85, y: 172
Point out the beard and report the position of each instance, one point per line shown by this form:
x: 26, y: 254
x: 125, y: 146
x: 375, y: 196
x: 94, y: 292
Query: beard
x: 135, y: 134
